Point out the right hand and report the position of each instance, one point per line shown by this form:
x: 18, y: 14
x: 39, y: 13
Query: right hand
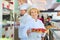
x: 17, y: 23
x: 28, y: 32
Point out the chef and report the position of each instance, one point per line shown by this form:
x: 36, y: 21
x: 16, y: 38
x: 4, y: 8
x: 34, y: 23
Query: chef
x: 24, y: 19
x: 35, y: 25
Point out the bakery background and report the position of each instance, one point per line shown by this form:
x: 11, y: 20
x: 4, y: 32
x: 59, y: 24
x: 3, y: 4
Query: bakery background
x: 0, y: 19
x: 43, y: 4
x: 7, y: 19
x: 46, y: 4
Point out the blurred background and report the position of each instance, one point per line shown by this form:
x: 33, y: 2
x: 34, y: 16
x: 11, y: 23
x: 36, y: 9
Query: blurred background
x: 0, y: 19
x: 7, y: 19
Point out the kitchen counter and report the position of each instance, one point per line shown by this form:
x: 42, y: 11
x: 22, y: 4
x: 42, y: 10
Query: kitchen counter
x: 54, y: 34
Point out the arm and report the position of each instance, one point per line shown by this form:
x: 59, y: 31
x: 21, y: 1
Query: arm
x: 42, y: 38
x: 28, y: 32
x: 44, y: 33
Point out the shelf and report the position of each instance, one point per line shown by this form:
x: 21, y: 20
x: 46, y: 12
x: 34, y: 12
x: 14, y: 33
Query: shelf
x: 56, y: 20
x: 7, y: 8
x: 50, y: 11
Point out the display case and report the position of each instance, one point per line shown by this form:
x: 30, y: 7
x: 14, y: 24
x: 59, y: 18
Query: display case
x: 7, y: 20
x: 54, y: 34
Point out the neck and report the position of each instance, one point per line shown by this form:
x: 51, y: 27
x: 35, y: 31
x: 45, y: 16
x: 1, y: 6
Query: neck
x: 35, y: 18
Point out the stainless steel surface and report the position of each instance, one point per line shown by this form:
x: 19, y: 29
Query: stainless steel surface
x: 54, y: 34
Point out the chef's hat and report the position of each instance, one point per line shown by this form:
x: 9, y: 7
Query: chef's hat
x: 24, y: 6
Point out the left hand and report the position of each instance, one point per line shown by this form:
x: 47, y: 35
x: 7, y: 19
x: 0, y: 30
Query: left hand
x: 28, y: 32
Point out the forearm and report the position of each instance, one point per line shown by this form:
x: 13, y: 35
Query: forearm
x: 42, y: 38
x: 28, y: 32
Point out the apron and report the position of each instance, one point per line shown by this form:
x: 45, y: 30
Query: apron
x: 36, y: 35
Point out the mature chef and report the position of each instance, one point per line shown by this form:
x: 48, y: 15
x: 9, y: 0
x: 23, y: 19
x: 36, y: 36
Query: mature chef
x: 35, y: 27
x: 24, y: 19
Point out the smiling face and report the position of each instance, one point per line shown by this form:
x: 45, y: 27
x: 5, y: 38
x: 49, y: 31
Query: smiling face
x: 22, y: 12
x: 34, y: 13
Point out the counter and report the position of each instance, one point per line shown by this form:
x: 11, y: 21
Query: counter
x: 54, y: 34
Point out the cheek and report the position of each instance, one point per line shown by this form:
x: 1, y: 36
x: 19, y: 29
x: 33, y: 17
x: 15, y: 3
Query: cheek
x: 35, y: 14
x: 31, y: 14
x: 22, y: 12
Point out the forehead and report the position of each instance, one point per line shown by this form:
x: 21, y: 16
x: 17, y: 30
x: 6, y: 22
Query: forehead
x: 22, y: 10
x: 34, y: 10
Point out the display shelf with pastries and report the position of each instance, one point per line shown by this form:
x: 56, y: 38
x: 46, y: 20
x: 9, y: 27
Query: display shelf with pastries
x: 7, y: 20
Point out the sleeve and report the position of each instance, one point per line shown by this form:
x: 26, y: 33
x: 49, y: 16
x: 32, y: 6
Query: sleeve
x: 43, y: 34
x: 28, y: 25
x: 22, y: 25
x: 42, y: 25
x: 27, y: 22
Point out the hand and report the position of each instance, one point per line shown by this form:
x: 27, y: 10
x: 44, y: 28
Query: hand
x: 17, y: 23
x: 42, y: 38
x: 28, y: 32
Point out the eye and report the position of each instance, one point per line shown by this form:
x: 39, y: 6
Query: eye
x: 32, y: 12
